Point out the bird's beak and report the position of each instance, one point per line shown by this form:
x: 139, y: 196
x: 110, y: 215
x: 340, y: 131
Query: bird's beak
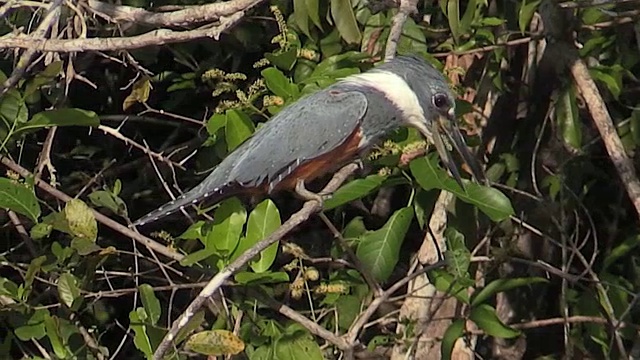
x: 445, y: 133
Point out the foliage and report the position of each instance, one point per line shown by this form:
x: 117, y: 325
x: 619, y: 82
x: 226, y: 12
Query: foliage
x: 554, y: 238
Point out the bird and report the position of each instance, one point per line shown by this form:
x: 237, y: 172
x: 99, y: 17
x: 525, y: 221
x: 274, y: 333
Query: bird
x: 327, y: 129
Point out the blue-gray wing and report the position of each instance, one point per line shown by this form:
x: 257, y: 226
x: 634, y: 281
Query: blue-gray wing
x: 302, y: 131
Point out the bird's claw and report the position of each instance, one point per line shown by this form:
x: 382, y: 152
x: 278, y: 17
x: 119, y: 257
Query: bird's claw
x: 308, y: 195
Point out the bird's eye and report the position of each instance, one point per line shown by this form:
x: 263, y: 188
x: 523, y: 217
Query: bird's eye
x: 441, y: 101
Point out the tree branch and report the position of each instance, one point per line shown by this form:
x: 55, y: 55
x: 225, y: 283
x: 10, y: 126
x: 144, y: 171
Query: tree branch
x: 39, y: 33
x: 189, y: 16
x: 152, y: 38
x: 407, y: 7
x: 308, y: 209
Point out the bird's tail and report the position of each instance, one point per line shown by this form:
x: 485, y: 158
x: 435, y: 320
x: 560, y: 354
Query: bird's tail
x: 190, y: 197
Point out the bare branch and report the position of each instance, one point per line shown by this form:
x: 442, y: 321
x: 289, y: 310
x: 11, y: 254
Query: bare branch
x: 153, y: 38
x: 407, y: 7
x: 189, y: 16
x: 118, y: 135
x: 41, y: 31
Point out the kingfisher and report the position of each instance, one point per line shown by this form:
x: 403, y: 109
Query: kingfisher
x: 323, y: 131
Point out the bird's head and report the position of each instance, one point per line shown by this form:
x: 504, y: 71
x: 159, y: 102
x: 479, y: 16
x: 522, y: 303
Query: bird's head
x: 429, y: 106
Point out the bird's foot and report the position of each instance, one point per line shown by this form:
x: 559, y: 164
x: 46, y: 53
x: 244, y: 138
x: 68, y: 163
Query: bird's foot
x: 308, y: 195
x: 363, y: 168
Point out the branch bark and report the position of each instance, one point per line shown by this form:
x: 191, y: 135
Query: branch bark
x: 189, y: 16
x: 407, y: 7
x: 152, y: 38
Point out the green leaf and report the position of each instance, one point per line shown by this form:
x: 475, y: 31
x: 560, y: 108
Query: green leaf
x: 84, y: 246
x: 379, y: 250
x: 301, y: 16
x: 68, y: 290
x: 228, y: 223
x: 194, y: 323
x: 198, y: 256
x: 238, y: 129
x: 354, y: 229
x: 413, y: 39
x: 52, y: 326
x: 140, y: 338
x: 621, y: 250
x: 44, y: 77
x: 139, y: 93
x: 215, y: 123
x: 491, y: 21
x: 264, y: 352
x: 215, y: 343
x: 35, y: 266
x: 150, y: 303
x: 348, y: 307
x: 453, y: 15
x: 634, y: 126
x: 245, y: 277
x: 107, y: 199
x: 35, y: 328
x: 331, y: 44
x: 453, y: 333
x: 80, y: 219
x: 297, y: 346
x: 194, y: 232
x: 458, y: 256
x: 469, y: 16
x: 525, y: 14
x: 263, y: 220
x: 329, y: 66
x: 313, y: 10
x: 568, y: 118
x: 501, y: 285
x: 8, y: 288
x: 13, y: 108
x: 611, y: 77
x: 277, y: 82
x: 345, y: 20
x: 354, y: 190
x: 284, y: 60
x: 447, y: 283
x: 380, y: 340
x: 485, y: 317
x: 61, y: 117
x: 19, y: 198
x: 489, y: 200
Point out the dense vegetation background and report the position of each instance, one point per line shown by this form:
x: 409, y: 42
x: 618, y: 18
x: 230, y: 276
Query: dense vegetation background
x: 118, y: 106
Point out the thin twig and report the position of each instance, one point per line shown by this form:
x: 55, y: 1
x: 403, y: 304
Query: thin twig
x: 309, y: 208
x: 44, y: 160
x: 407, y: 7
x: 118, y: 135
x: 314, y: 328
x: 189, y: 15
x: 364, y: 317
x: 26, y: 238
x: 38, y: 34
x: 151, y: 244
x: 155, y: 37
x: 371, y: 281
